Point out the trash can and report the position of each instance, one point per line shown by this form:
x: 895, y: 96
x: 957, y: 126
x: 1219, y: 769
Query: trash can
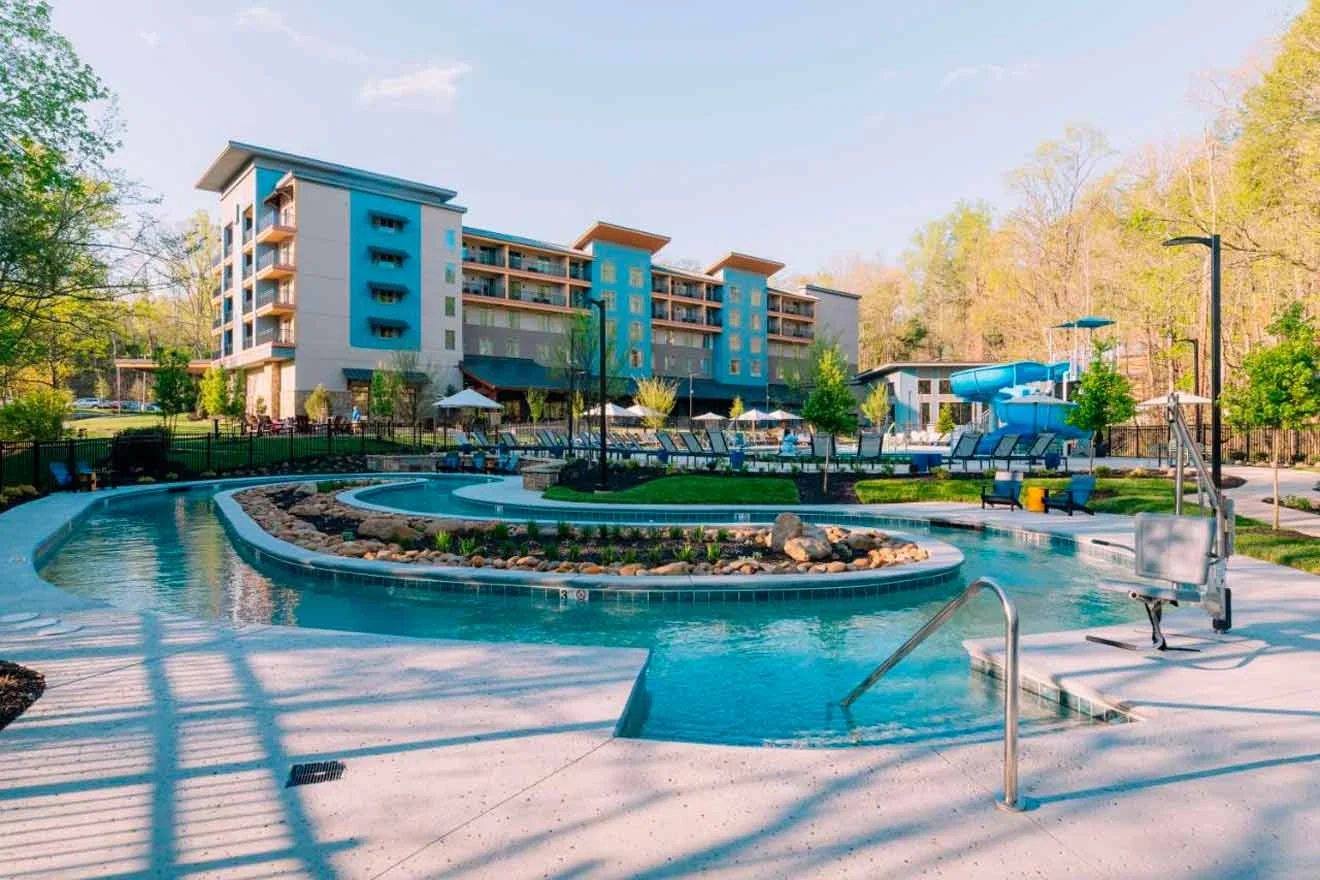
x: 736, y: 459
x: 1035, y: 499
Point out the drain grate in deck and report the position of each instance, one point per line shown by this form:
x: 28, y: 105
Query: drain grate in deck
x: 317, y: 771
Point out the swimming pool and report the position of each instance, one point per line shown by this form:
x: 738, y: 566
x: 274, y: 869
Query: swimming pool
x: 768, y: 673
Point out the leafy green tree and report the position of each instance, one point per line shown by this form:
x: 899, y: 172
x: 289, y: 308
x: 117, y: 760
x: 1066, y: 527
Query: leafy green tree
x: 317, y: 404
x: 1103, y: 398
x: 830, y: 407
x: 945, y: 423
x: 658, y: 396
x: 175, y: 389
x: 213, y: 392
x: 386, y: 392
x: 236, y: 406
x: 1279, y: 385
x: 875, y: 406
x: 536, y: 398
x: 37, y: 415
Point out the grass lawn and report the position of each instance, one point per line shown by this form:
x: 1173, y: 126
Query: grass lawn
x: 690, y: 490
x: 109, y: 425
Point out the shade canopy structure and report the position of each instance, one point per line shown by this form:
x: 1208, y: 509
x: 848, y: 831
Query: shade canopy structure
x: 781, y: 415
x: 753, y: 415
x: 1182, y: 398
x: 708, y: 417
x: 612, y: 411
x: 642, y: 412
x: 467, y: 399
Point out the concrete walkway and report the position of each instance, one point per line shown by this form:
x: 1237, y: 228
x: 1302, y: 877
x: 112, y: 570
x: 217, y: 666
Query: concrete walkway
x: 1248, y: 499
x: 162, y: 746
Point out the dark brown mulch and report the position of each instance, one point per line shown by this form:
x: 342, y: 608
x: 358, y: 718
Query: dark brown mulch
x: 19, y: 688
x: 842, y: 488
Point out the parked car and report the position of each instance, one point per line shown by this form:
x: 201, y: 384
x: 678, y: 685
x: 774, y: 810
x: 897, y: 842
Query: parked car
x: 87, y: 403
x: 150, y: 408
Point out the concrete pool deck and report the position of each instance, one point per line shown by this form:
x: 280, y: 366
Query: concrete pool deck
x: 162, y: 744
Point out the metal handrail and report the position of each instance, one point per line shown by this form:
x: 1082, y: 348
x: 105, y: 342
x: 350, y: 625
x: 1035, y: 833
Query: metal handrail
x: 1012, y: 682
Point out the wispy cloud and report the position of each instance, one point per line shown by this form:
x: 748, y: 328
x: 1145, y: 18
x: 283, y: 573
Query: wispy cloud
x: 432, y: 86
x: 990, y: 73
x: 151, y: 38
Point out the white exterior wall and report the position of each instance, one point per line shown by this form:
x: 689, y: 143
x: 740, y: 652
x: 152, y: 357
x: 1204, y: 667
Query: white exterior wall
x: 435, y: 256
x: 837, y: 318
x: 321, y: 348
x: 238, y: 198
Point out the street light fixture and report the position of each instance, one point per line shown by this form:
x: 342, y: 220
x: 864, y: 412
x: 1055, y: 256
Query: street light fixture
x: 604, y: 466
x: 1211, y: 242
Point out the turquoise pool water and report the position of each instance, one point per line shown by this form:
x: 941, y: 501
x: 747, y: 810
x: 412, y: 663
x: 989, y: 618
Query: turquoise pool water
x: 768, y: 673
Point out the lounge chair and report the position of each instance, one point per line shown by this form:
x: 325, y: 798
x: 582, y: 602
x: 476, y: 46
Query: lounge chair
x: 668, y: 449
x: 509, y: 440
x: 448, y: 462
x: 1006, y: 490
x: 1074, y: 497
x: 1036, y: 451
x: 965, y: 449
x: 1003, y: 450
x: 822, y: 445
x: 869, y: 448
x: 59, y: 472
x: 718, y: 444
x: 694, y: 448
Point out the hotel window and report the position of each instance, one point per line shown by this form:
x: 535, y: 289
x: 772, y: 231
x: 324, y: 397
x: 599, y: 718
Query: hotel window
x: 779, y: 371
x: 387, y: 332
x: 542, y: 353
x: 387, y: 222
x: 635, y: 331
x: 607, y: 271
x: 635, y: 304
x: 692, y: 366
x: 735, y: 368
x: 387, y: 295
x: 756, y: 367
x: 756, y: 321
x: 512, y: 348
x: 609, y: 329
x: 735, y: 319
x: 735, y: 294
x: 450, y: 307
x: 609, y: 300
x: 449, y: 340
x: 451, y: 239
x: 635, y: 358
x: 923, y: 386
x: 756, y: 297
x: 451, y: 273
x: 669, y: 362
x: 755, y: 344
x: 634, y: 277
x: 515, y: 321
x: 485, y: 346
x: 705, y: 365
x: 735, y: 343
x: 388, y: 259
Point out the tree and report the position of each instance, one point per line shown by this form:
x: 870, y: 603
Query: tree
x: 236, y: 405
x: 536, y: 398
x: 875, y: 406
x: 412, y: 377
x: 213, y: 391
x: 37, y: 415
x: 658, y: 396
x: 945, y: 423
x: 386, y: 392
x: 1104, y: 398
x: 830, y: 407
x: 317, y: 404
x: 175, y: 388
x: 186, y: 256
x: 736, y: 408
x: 1279, y: 384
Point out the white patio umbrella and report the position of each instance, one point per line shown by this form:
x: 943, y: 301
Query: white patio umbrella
x: 1183, y: 398
x: 612, y: 411
x: 709, y: 417
x: 642, y: 412
x: 780, y: 415
x: 465, y: 399
x: 753, y: 416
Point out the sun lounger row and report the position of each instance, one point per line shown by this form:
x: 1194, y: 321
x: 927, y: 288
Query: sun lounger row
x: 1008, y: 449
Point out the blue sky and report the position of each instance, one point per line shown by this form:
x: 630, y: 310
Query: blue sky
x: 800, y: 132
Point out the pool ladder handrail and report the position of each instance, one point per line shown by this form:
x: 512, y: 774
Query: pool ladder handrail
x: 1010, y: 801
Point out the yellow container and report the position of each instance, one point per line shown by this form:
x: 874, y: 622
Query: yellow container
x: 1035, y: 496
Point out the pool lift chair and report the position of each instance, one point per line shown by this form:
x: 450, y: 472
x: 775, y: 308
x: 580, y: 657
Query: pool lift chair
x: 1188, y: 554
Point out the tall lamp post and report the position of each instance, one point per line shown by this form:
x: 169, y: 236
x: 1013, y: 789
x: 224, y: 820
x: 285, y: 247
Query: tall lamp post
x: 1211, y: 242
x: 604, y: 466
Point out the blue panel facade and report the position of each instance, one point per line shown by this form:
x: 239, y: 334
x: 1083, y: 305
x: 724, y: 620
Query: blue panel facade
x: 750, y: 288
x: 366, y: 311
x: 630, y: 265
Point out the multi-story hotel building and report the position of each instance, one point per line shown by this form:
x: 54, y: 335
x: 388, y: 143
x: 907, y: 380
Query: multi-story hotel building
x: 327, y: 273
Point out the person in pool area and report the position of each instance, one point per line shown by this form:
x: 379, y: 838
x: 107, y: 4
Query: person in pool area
x: 356, y: 417
x: 788, y: 446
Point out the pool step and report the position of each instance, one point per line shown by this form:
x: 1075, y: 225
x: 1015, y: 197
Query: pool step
x: 31, y: 624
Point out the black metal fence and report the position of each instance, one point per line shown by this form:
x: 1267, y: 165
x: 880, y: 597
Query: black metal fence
x: 1152, y: 441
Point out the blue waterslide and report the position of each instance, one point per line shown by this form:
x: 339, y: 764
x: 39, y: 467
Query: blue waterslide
x: 1006, y: 388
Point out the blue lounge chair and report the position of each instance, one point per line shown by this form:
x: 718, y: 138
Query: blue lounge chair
x: 1074, y: 497
x: 59, y: 472
x: 1006, y: 490
x: 965, y: 449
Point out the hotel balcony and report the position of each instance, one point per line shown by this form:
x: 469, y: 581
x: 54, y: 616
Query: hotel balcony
x: 275, y: 265
x: 537, y: 296
x: 483, y: 257
x: 274, y: 227
x: 579, y: 271
x: 485, y: 287
x: 536, y: 265
x: 247, y: 238
x: 217, y: 292
x: 275, y: 336
x: 275, y: 300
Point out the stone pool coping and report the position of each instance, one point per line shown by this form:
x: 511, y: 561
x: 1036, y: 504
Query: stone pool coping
x: 943, y: 564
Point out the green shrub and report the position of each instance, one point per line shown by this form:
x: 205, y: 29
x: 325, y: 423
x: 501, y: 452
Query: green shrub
x: 35, y: 415
x: 26, y: 490
x: 698, y: 534
x: 675, y: 533
x: 686, y: 553
x: 722, y: 535
x: 552, y: 552
x: 533, y: 530
x: 500, y: 532
x: 443, y: 541
x: 609, y: 555
x: 574, y: 552
x: 564, y: 530
x: 144, y: 479
x: 712, y: 553
x: 630, y: 556
x: 1103, y: 470
x: 171, y: 476
x: 468, y: 546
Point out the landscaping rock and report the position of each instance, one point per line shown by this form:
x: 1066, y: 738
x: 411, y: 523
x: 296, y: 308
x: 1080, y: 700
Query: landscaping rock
x: 786, y: 527
x: 807, y: 549
x: 673, y: 568
x: 386, y: 528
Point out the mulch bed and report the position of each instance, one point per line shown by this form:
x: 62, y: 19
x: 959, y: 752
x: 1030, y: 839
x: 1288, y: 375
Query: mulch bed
x: 19, y: 688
